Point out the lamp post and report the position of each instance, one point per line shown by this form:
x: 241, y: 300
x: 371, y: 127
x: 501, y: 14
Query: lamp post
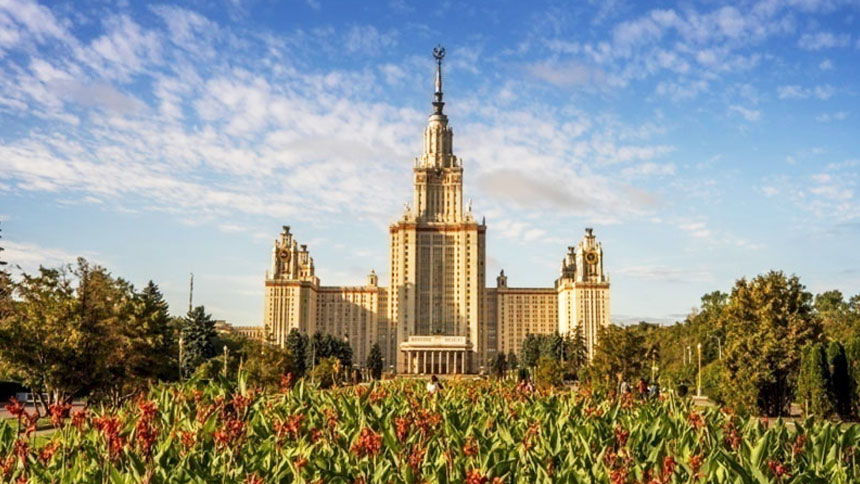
x: 181, y: 343
x: 225, y: 360
x: 719, y: 346
x: 699, y: 383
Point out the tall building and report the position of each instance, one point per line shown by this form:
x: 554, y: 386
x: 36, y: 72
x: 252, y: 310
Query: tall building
x: 437, y: 315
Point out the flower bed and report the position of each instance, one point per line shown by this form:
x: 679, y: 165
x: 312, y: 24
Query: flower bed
x: 472, y: 431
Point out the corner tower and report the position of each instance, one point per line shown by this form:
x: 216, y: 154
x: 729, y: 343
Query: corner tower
x: 436, y: 306
x: 583, y: 291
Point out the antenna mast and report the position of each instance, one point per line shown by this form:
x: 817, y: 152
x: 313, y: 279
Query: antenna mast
x: 191, y: 292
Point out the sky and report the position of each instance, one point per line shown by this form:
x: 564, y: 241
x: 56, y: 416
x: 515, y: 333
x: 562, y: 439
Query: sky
x: 703, y: 142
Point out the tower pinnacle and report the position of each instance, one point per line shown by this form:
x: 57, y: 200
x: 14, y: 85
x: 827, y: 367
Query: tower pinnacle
x: 439, y: 54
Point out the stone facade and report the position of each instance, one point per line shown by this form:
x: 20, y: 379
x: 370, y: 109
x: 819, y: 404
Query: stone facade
x: 437, y: 315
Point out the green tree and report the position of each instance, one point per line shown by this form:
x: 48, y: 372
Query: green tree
x: 374, y: 361
x: 549, y: 372
x: 513, y: 364
x: 326, y: 372
x: 297, y: 345
x: 767, y: 321
x: 5, y: 284
x: 530, y: 351
x: 838, y: 321
x: 575, y: 352
x: 326, y: 346
x: 840, y: 380
x: 852, y: 353
x: 198, y: 339
x: 813, y: 385
x: 499, y: 364
x: 619, y: 354
x: 551, y: 346
x: 33, y: 341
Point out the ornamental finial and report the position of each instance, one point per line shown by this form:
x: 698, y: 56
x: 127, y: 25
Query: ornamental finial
x: 438, y: 54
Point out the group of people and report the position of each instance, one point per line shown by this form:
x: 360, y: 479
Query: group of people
x: 642, y: 388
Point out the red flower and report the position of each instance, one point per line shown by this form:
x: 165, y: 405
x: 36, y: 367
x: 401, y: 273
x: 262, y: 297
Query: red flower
x: 695, y: 465
x: 287, y: 382
x: 695, y: 420
x: 470, y: 447
x: 669, y: 465
x: 6, y: 466
x: 475, y: 476
x: 416, y: 458
x: 48, y: 451
x: 188, y: 439
x: 291, y: 427
x: 14, y: 407
x: 79, y: 418
x: 301, y: 462
x: 401, y: 427
x: 779, y: 470
x: 231, y: 431
x: 59, y: 413
x: 621, y: 436
x: 253, y: 479
x: 22, y: 449
x: 368, y: 443
x: 799, y: 444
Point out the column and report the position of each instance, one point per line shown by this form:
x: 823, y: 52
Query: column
x: 448, y: 362
x: 463, y: 362
x: 433, y: 362
x: 424, y: 353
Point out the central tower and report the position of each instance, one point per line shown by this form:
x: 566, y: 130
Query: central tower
x: 437, y: 261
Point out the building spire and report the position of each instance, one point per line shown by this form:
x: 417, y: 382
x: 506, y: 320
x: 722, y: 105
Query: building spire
x: 438, y: 54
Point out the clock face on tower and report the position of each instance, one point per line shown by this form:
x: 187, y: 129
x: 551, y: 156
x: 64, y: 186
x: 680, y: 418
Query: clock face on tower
x: 591, y: 257
x: 285, y: 255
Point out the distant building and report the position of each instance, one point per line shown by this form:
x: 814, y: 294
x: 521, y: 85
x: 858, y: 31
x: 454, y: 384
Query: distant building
x: 250, y: 332
x: 437, y: 315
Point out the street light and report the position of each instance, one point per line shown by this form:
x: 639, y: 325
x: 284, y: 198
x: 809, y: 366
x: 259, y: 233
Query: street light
x: 181, y: 343
x: 719, y: 346
x: 699, y: 384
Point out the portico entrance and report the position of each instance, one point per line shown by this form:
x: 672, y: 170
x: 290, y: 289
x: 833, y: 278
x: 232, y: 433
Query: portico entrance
x: 442, y: 355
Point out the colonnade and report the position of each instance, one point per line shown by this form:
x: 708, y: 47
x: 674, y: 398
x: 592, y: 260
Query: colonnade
x: 442, y: 362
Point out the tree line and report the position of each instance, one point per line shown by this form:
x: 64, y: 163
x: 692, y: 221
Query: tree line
x: 766, y: 344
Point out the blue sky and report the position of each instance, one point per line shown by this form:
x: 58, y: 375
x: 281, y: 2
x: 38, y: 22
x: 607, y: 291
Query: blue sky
x: 703, y: 142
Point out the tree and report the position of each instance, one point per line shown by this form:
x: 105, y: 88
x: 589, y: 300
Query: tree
x: 530, y: 351
x: 551, y: 346
x: 374, y: 361
x: 513, y: 364
x: 499, y: 364
x: 852, y: 353
x: 5, y: 285
x: 837, y: 318
x: 620, y: 353
x: 297, y: 345
x: 575, y: 352
x: 549, y: 372
x: 767, y: 322
x: 840, y: 380
x: 198, y: 339
x: 33, y: 331
x: 814, y: 381
x: 326, y: 346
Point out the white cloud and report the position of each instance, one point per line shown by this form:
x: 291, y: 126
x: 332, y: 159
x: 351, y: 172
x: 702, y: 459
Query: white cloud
x: 665, y: 273
x: 367, y: 40
x: 822, y: 92
x: 823, y: 40
x: 828, y: 117
x: 30, y: 256
x: 748, y: 114
x: 826, y: 65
